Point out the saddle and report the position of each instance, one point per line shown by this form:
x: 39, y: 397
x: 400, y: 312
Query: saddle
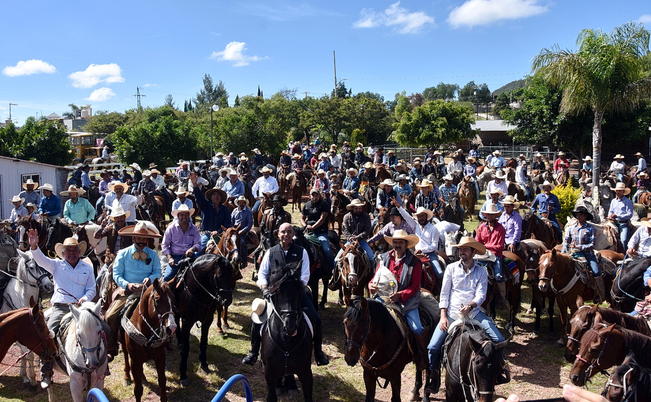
x: 10, y: 267
x: 269, y: 310
x: 582, y: 267
x: 428, y: 309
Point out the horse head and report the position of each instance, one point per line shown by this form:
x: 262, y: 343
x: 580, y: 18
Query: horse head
x: 90, y: 340
x: 580, y: 322
x: 224, y: 280
x: 599, y: 350
x: 484, y: 365
x: 159, y: 302
x: 350, y: 262
x: 287, y: 303
x: 46, y: 347
x: 624, y: 381
x: 30, y: 273
x: 547, y: 269
x: 357, y: 323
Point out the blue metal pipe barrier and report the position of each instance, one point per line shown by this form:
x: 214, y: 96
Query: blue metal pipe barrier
x: 96, y: 395
x: 230, y: 383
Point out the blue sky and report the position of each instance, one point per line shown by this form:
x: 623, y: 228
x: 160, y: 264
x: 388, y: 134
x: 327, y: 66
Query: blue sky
x: 97, y: 52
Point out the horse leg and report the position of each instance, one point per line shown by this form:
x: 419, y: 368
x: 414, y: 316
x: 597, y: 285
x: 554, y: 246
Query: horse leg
x: 270, y: 379
x: 324, y: 295
x: 127, y: 365
x: 220, y: 331
x: 184, y: 343
x: 418, y: 383
x: 395, y: 388
x: 159, y: 359
x: 203, y: 344
x: 550, y: 310
x: 77, y: 387
x: 27, y: 371
x: 369, y: 382
x: 562, y: 307
x: 225, y: 318
x: 306, y: 383
x: 138, y: 377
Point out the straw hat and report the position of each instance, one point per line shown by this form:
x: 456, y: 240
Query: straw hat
x: 152, y: 165
x: 500, y: 175
x: 496, y: 191
x: 510, y: 200
x: 256, y: 151
x: 320, y: 172
x: 497, y: 152
x: 222, y: 194
x: 69, y: 242
x: 30, y: 205
x: 423, y: 210
x: 352, y: 170
x: 259, y: 311
x: 16, y: 198
x: 241, y: 198
x: 643, y: 175
x: 491, y: 209
x: 387, y: 182
x: 368, y: 165
x: 401, y: 234
x: 538, y: 155
x: 140, y: 229
x: 135, y: 166
x: 115, y: 184
x: 425, y: 183
x: 619, y: 156
x: 181, y: 191
x: 547, y: 183
x: 182, y: 208
x: 266, y: 169
x: 521, y: 156
x: 117, y: 210
x: 560, y: 153
x: 355, y: 203
x: 448, y: 177
x: 32, y: 182
x: 48, y: 187
x: 638, y: 154
x: 72, y: 189
x: 471, y: 159
x: 296, y: 156
x: 621, y: 187
x: 468, y: 241
x: 587, y: 159
x: 402, y: 177
x: 154, y: 171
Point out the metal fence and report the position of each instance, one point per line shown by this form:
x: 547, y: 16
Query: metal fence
x: 513, y: 151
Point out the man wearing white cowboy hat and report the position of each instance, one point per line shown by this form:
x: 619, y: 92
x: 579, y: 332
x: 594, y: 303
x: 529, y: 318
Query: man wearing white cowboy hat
x: 18, y: 211
x: 641, y: 162
x: 265, y: 185
x: 643, y: 185
x: 183, y: 171
x: 587, y: 164
x: 118, y: 191
x: 117, y: 220
x: 497, y: 160
x: 385, y: 194
x: 497, y: 184
x: 538, y: 164
x: 547, y: 204
x: 181, y: 239
x: 428, y: 195
x: 560, y: 162
x: 29, y: 193
x: 357, y: 225
x: 416, y: 172
x: 336, y: 160
x: 350, y: 186
x: 448, y: 190
x: 234, y: 186
x: 494, y: 199
x: 493, y: 236
x: 50, y: 206
x: 512, y: 222
x: 403, y: 188
x: 181, y: 199
x: 324, y: 162
x: 428, y: 235
x: 621, y: 210
x: 146, y: 185
x: 455, y: 166
x: 157, y: 178
x: 133, y: 268
x: 218, y: 160
x: 297, y: 162
x: 242, y: 219
x: 618, y: 167
x: 31, y: 210
x: 640, y: 246
x: 223, y: 177
x: 322, y: 183
x: 74, y: 282
x: 463, y: 291
x: 77, y: 210
x: 523, y: 180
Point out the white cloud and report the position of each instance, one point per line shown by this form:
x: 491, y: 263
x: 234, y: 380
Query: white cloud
x: 101, y: 95
x: 401, y: 19
x: 95, y: 74
x: 149, y: 85
x: 644, y: 19
x: 484, y: 12
x: 29, y: 67
x: 234, y: 52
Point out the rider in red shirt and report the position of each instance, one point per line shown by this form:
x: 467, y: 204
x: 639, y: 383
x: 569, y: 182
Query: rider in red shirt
x: 561, y: 162
x: 492, y: 235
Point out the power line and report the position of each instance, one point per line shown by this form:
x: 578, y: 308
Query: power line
x: 138, y: 96
x: 10, y: 105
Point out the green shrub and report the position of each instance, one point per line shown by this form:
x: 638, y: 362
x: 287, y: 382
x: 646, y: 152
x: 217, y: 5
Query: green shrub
x: 567, y: 195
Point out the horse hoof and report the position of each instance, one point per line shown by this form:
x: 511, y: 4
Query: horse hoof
x: 226, y: 326
x: 220, y: 331
x: 185, y: 382
x: 322, y: 306
x: 415, y: 397
x: 205, y: 368
x: 224, y: 334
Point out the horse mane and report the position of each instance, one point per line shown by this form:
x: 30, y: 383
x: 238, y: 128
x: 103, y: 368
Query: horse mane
x: 627, y: 321
x: 9, y: 314
x: 638, y: 344
x: 376, y: 310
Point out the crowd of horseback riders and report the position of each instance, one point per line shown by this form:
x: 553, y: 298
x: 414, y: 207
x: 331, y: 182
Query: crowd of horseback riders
x: 142, y: 254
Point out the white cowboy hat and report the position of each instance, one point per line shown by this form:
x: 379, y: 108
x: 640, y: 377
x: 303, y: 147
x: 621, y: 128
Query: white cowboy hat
x: 16, y: 198
x: 48, y: 187
x: 587, y: 158
x: 401, y: 234
x: 491, y: 209
x: 181, y: 191
x: 387, y: 182
x: 233, y: 172
x: 224, y: 170
x: 521, y: 156
x: 72, y: 189
x: 266, y: 169
x: 259, y: 311
x: 134, y: 165
x: 448, y: 177
x: 32, y: 182
x: 638, y: 154
x: 538, y: 155
x: 560, y: 153
x: 117, y: 210
x: 140, y: 229
x: 182, y: 208
x: 468, y: 241
x: 243, y: 159
x: 500, y: 175
x: 256, y: 151
x: 621, y: 187
x: 368, y: 165
x: 423, y: 210
x: 547, y: 183
x: 437, y: 153
x: 471, y: 159
x: 218, y: 154
x: 510, y: 200
x: 496, y: 191
x: 355, y: 203
x: 30, y: 205
x: 154, y: 171
x: 352, y: 170
x: 497, y: 152
x: 296, y: 156
x: 619, y: 156
x: 69, y: 242
x: 146, y: 173
x: 321, y: 171
x: 643, y: 174
x: 425, y: 183
x: 115, y: 184
x: 241, y: 198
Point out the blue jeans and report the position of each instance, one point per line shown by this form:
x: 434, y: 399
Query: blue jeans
x: 436, y: 264
x: 498, y: 270
x: 368, y: 250
x: 256, y: 207
x: 623, y: 232
x: 413, y: 320
x: 438, y: 338
x: 327, y: 251
x: 205, y: 238
x: 592, y: 260
x: 171, y: 270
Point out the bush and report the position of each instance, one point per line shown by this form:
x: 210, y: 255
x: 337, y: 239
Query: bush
x: 567, y: 195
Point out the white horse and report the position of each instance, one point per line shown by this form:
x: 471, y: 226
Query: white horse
x: 83, y: 351
x: 29, y: 282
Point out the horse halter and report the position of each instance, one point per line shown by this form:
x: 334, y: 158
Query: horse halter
x: 594, y: 364
x: 96, y: 349
x: 160, y: 333
x: 623, y: 386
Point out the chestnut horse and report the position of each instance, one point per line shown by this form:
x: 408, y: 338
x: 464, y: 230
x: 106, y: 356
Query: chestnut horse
x: 297, y: 188
x: 146, y: 332
x: 355, y: 272
x: 467, y: 197
x: 27, y: 326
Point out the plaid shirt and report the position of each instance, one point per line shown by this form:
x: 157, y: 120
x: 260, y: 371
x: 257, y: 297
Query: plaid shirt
x: 581, y: 235
x: 448, y: 192
x: 429, y: 201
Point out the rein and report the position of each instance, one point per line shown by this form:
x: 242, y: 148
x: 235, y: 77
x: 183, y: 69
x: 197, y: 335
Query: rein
x: 592, y: 365
x: 564, y: 289
x: 618, y: 280
x: 624, y: 385
x: 156, y: 339
x: 470, y: 373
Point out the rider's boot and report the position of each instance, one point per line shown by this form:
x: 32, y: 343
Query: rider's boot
x: 256, y: 340
x: 601, y: 289
x: 433, y: 382
x: 319, y: 357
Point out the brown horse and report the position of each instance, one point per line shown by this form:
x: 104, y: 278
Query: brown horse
x: 146, y: 333
x: 510, y: 293
x: 27, y: 326
x: 467, y: 197
x: 606, y: 347
x: 283, y: 182
x: 382, y: 173
x: 339, y: 202
x: 533, y: 227
x: 265, y: 204
x: 355, y: 272
x: 155, y: 207
x: 530, y: 251
x: 297, y: 188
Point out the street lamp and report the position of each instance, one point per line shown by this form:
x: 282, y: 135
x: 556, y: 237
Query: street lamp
x: 213, y: 108
x: 474, y: 94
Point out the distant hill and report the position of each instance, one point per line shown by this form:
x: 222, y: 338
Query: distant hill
x: 511, y: 86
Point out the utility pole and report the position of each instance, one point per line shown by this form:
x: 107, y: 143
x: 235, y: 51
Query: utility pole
x: 334, y: 64
x: 138, y: 96
x: 10, y: 105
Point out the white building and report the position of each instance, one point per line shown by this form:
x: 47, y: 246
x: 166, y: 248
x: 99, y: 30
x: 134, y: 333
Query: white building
x: 14, y: 172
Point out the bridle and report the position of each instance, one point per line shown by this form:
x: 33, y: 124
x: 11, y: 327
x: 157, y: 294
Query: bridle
x: 623, y: 386
x: 594, y: 364
x: 160, y: 333
x: 618, y: 281
x: 217, y: 298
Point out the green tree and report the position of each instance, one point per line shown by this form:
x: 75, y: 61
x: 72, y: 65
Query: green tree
x: 211, y: 94
x: 341, y: 91
x: 606, y: 74
x: 237, y: 101
x: 441, y: 91
x: 433, y: 123
x: 75, y: 111
x: 105, y: 123
x: 44, y: 141
x: 169, y: 101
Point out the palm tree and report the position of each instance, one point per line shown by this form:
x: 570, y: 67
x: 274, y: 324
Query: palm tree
x: 607, y: 74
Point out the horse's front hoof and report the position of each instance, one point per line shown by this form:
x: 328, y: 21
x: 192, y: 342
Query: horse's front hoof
x: 226, y: 326
x: 185, y: 382
x: 205, y: 368
x: 415, y: 396
x: 220, y: 331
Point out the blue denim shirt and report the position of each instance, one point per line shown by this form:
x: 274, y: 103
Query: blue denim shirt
x: 50, y: 206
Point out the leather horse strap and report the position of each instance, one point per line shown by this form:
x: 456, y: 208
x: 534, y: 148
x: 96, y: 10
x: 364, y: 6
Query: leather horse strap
x: 404, y: 342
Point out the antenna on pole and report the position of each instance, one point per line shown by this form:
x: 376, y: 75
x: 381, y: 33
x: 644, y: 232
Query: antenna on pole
x: 138, y: 96
x: 10, y: 105
x: 334, y: 65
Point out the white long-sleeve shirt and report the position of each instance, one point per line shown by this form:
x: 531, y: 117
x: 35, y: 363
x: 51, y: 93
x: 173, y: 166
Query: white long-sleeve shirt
x: 264, y: 185
x: 492, y: 185
x: 70, y: 283
x: 521, y: 175
x: 460, y: 288
x: 428, y: 235
x: 641, y: 241
x: 263, y: 274
x: 159, y: 180
x: 127, y: 201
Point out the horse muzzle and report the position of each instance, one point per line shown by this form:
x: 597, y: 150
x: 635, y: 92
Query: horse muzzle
x: 578, y: 379
x: 170, y: 324
x: 543, y: 285
x: 351, y: 357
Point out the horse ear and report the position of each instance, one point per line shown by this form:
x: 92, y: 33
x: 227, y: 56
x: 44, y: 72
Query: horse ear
x: 553, y: 252
x: 223, y: 228
x: 172, y: 282
x: 98, y: 307
x: 75, y: 312
x: 156, y: 283
x: 32, y: 303
x: 24, y: 255
x: 475, y: 343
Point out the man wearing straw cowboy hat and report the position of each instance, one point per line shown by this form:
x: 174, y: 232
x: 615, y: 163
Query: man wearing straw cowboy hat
x: 118, y: 192
x: 618, y: 167
x: 242, y: 219
x: 50, y: 206
x: 587, y: 164
x: 266, y: 185
x: 492, y: 235
x: 560, y: 162
x: 146, y: 185
x: 181, y: 199
x: 351, y: 183
x: 641, y: 162
x: 74, y: 282
x: 29, y: 193
x: 133, y: 267
x: 181, y: 239
x: 214, y: 214
x: 385, y: 194
x: 117, y: 219
x: 428, y: 195
x: 512, y: 222
x: 77, y: 210
x: 18, y: 211
x: 621, y: 210
x: 462, y: 293
x: 357, y: 225
x: 428, y: 235
x: 498, y: 183
x: 494, y: 199
x: 496, y: 160
x: 643, y: 185
x: 234, y: 186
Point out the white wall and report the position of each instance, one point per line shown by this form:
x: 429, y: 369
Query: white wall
x: 11, y: 171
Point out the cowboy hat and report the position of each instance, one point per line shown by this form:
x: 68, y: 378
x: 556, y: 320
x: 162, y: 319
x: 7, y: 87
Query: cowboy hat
x: 224, y: 170
x: 152, y: 165
x: 521, y: 156
x: 471, y: 159
x: 621, y: 187
x: 182, y: 208
x: 16, y: 198
x: 256, y: 151
x: 232, y: 172
x: 181, y: 191
x: 355, y: 203
x: 491, y: 209
x: 47, y: 187
x: 587, y: 158
x: 638, y: 154
x: 218, y: 154
x: 387, y: 182
x: 154, y: 171
x: 181, y: 162
x: 241, y: 198
x: 391, y: 152
x: 643, y: 174
x: 140, y: 229
x: 32, y: 182
x: 266, y: 169
x: 320, y: 172
x: 425, y: 183
x: 619, y: 156
x: 69, y: 242
x: 296, y: 156
x: 469, y: 241
x: 368, y: 165
x: 401, y: 234
x: 496, y: 191
x: 278, y: 198
x: 437, y: 153
x: 30, y: 205
x: 417, y: 159
x: 510, y: 200
x: 560, y: 153
x: 222, y: 194
x: 497, y: 152
x: 243, y: 159
x: 538, y: 155
x: 448, y: 177
x: 134, y: 165
x: 259, y: 311
x: 117, y: 210
x: 115, y: 184
x: 547, y: 183
x: 72, y: 189
x: 500, y: 175
x: 402, y: 177
x: 352, y: 170
x: 423, y: 210
x: 582, y: 210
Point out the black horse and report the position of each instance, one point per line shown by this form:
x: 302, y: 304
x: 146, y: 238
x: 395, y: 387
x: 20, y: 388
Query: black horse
x: 629, y: 382
x: 318, y: 270
x: 205, y: 285
x: 286, y: 337
x: 628, y: 287
x: 473, y: 362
